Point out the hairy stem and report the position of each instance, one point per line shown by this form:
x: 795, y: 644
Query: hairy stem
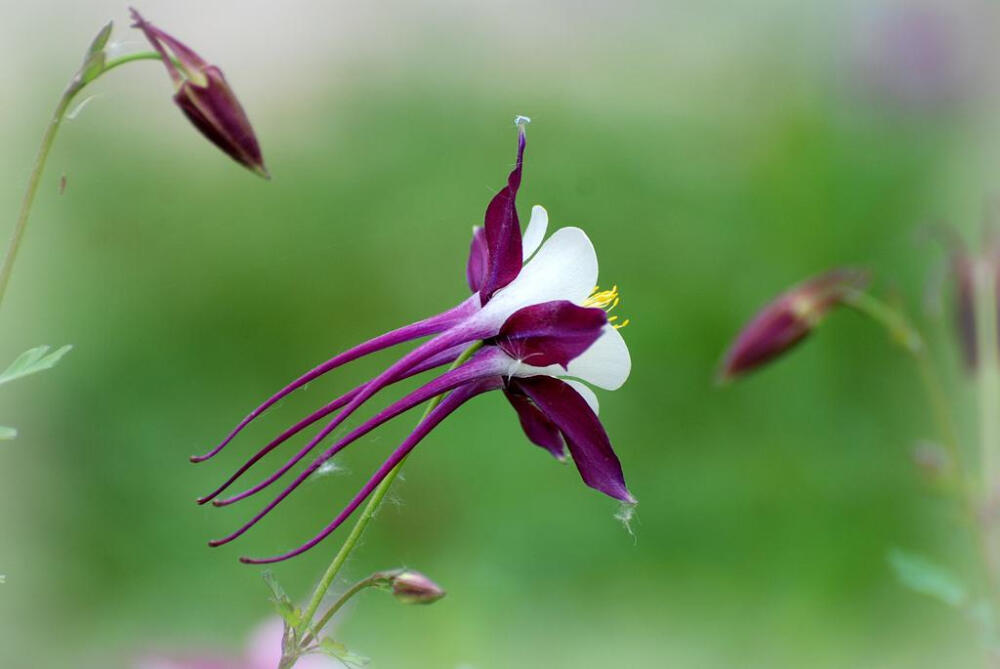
x: 75, y: 85
x: 350, y: 543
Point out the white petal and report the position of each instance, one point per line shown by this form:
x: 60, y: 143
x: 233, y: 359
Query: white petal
x: 535, y: 232
x: 586, y: 393
x: 565, y: 268
x: 606, y: 364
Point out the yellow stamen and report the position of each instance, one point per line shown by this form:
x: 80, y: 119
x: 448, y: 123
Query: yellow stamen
x: 607, y: 300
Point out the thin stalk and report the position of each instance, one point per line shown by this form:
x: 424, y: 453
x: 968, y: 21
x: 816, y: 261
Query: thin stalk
x: 909, y: 338
x: 339, y: 604
x: 988, y: 381
x: 988, y: 375
x: 72, y: 89
x: 350, y: 543
x: 905, y: 335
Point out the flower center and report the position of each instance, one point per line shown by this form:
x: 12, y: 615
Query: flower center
x: 607, y: 300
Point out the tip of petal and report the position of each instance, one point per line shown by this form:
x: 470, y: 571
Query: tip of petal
x: 261, y: 171
x: 520, y: 120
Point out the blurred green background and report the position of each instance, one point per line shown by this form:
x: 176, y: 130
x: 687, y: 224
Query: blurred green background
x: 715, y: 154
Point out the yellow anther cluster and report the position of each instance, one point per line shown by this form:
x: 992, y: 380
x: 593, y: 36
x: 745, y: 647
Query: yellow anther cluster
x: 607, y: 300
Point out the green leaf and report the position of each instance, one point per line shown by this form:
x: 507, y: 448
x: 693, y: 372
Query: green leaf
x: 100, y: 41
x: 921, y: 575
x: 32, y: 361
x: 339, y: 651
x: 7, y: 433
x: 92, y: 68
x: 282, y: 602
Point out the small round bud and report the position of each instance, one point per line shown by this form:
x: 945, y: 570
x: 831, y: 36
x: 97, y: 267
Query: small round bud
x: 412, y: 587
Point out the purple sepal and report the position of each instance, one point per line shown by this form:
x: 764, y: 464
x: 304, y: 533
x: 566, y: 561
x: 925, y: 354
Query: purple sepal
x: 479, y: 258
x: 503, y: 232
x: 551, y: 333
x: 537, y: 427
x: 585, y: 436
x: 214, y: 110
x: 453, y: 401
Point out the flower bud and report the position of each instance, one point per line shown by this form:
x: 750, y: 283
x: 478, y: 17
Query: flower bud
x: 412, y: 587
x: 206, y: 99
x: 965, y: 307
x: 788, y: 319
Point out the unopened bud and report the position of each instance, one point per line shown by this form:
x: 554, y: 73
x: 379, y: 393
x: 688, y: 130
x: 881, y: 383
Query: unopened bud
x: 206, y: 99
x: 787, y: 320
x: 962, y: 267
x: 412, y: 587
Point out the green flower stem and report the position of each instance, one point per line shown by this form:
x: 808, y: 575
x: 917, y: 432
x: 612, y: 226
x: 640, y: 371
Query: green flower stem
x: 350, y: 543
x: 339, y: 604
x: 987, y: 375
x: 905, y: 335
x: 75, y: 85
x: 988, y: 381
x: 902, y: 332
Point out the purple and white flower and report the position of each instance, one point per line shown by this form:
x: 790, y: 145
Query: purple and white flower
x: 543, y: 331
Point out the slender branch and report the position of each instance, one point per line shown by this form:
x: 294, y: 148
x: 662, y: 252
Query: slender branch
x: 132, y: 57
x: 75, y: 85
x: 350, y: 543
x: 339, y: 604
x: 904, y: 334
x: 988, y: 375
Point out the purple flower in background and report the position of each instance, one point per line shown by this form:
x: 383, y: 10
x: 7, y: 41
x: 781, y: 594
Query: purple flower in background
x: 788, y: 319
x: 262, y: 652
x: 543, y: 329
x: 206, y: 99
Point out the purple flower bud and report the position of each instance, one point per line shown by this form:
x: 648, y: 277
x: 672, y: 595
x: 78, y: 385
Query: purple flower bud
x: 788, y: 319
x: 412, y: 587
x: 965, y: 307
x: 206, y: 99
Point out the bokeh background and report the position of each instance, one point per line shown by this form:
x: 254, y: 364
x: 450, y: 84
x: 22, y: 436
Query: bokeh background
x: 715, y: 152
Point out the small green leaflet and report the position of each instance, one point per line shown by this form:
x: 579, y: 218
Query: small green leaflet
x: 282, y: 603
x: 339, y: 651
x: 921, y: 575
x: 32, y: 361
x: 100, y: 40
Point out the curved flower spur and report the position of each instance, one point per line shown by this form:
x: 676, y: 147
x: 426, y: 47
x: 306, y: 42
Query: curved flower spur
x: 539, y: 328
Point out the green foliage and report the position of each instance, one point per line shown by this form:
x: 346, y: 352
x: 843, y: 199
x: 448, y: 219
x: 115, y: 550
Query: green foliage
x: 100, y: 40
x: 33, y: 361
x: 282, y: 602
x: 339, y: 651
x: 921, y: 575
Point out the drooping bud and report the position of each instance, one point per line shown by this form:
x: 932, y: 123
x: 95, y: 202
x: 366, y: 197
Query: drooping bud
x: 205, y: 98
x: 788, y: 319
x: 412, y: 587
x: 962, y: 268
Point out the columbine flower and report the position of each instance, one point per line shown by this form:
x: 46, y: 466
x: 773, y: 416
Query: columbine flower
x: 542, y: 329
x: 205, y: 98
x: 788, y: 319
